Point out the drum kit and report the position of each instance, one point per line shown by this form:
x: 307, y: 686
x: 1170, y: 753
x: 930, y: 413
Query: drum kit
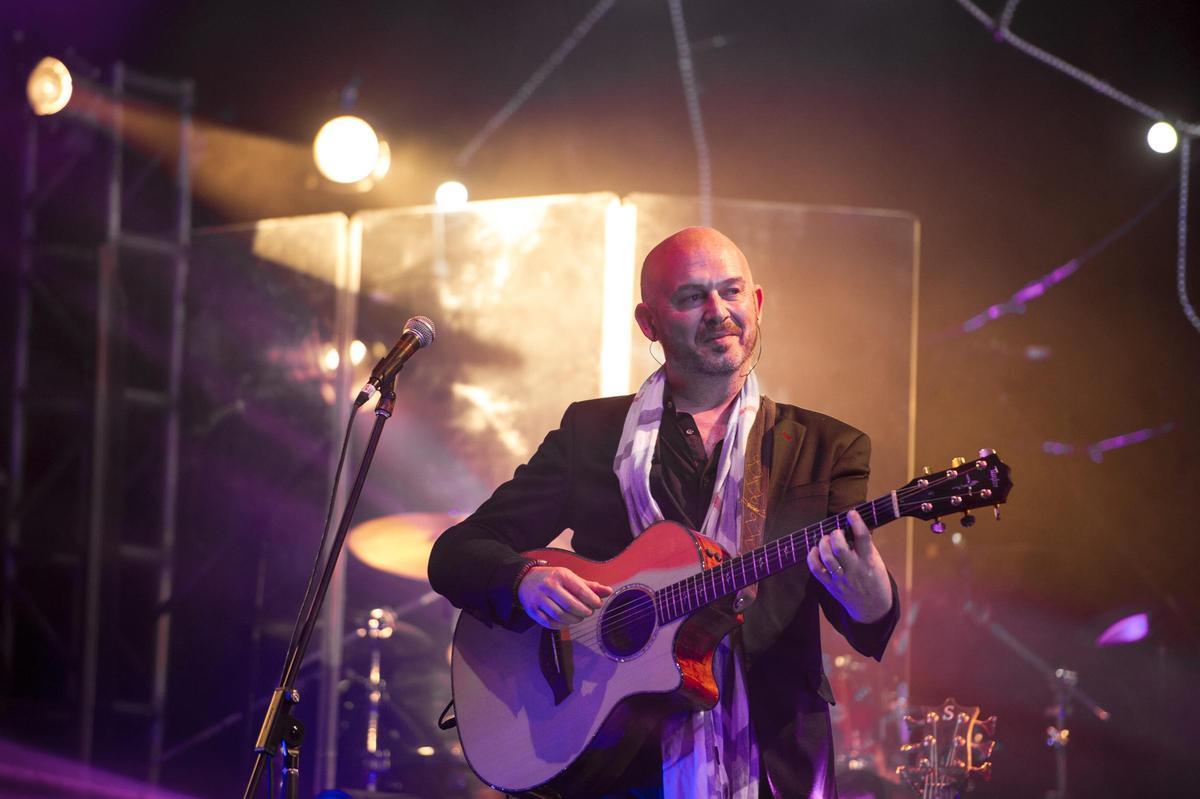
x: 396, y: 676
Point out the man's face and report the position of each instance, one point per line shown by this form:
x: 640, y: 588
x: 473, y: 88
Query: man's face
x: 700, y: 301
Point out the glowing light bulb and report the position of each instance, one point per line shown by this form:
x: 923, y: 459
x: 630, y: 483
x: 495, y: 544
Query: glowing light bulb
x: 49, y: 87
x: 451, y: 196
x: 347, y: 149
x: 1162, y: 137
x: 331, y: 359
x: 358, y: 351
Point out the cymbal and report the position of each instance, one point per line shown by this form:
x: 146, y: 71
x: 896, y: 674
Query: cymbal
x: 399, y: 544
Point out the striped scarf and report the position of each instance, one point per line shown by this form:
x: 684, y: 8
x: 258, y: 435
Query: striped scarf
x: 708, y: 753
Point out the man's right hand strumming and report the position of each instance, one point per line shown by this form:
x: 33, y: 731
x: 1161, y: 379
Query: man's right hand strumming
x: 556, y: 597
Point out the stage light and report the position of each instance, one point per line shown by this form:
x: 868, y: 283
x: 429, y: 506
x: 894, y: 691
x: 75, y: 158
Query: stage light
x: 1125, y: 631
x: 358, y: 351
x: 331, y: 359
x: 49, y: 87
x: 346, y: 150
x: 451, y: 196
x: 1162, y: 137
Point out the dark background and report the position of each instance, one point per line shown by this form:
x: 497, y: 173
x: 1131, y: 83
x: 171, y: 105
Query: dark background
x: 1012, y: 168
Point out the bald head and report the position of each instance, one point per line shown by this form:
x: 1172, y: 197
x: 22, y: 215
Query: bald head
x: 682, y: 251
x: 700, y: 301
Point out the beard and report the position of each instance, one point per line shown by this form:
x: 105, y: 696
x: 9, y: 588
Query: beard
x: 719, y: 357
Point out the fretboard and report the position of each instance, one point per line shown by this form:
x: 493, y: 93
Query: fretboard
x: 732, y: 575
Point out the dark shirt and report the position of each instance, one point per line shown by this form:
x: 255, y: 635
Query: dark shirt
x: 682, y: 475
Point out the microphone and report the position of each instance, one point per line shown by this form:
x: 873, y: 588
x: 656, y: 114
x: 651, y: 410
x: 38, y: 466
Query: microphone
x: 418, y: 333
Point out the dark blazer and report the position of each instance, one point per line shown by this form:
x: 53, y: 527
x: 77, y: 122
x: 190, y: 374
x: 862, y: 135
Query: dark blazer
x: 819, y: 466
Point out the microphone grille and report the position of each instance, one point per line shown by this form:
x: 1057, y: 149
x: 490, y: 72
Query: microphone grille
x: 422, y: 328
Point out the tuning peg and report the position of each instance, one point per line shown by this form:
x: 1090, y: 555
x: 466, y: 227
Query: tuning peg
x: 967, y: 520
x: 956, y: 462
x: 925, y: 469
x: 938, y: 526
x: 996, y: 512
x: 983, y: 453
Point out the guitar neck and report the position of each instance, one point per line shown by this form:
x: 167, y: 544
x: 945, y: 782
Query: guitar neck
x: 732, y: 575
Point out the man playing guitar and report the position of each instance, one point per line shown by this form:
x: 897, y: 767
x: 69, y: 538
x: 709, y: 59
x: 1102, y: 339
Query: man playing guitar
x: 697, y: 445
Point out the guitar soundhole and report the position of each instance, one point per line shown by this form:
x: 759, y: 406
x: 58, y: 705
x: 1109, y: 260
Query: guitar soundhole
x: 627, y: 623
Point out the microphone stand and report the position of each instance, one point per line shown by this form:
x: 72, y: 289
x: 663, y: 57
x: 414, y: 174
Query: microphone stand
x: 1063, y: 684
x: 279, y: 727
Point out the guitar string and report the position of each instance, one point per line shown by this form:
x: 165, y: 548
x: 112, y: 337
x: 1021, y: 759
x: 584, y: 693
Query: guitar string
x: 680, y: 592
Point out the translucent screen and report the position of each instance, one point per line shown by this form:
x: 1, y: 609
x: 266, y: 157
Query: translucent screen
x: 515, y: 289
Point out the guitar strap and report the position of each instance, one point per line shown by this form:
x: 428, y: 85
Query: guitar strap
x: 756, y: 480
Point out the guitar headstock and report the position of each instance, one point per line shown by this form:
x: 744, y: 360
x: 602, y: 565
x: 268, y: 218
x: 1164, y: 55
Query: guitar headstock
x: 964, y: 486
x: 951, y: 745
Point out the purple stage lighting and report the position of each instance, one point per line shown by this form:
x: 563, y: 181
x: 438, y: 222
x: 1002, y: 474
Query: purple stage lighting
x: 1126, y: 630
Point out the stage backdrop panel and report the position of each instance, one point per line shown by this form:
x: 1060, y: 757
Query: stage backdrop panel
x: 516, y: 291
x: 258, y: 432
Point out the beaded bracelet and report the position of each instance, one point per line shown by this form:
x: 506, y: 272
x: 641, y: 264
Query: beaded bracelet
x: 527, y: 567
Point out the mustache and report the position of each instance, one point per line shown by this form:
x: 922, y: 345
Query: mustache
x: 729, y: 327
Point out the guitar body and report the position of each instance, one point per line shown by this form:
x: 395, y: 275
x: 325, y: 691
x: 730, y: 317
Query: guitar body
x: 551, y: 715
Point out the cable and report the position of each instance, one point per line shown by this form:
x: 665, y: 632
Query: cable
x: 319, y: 559
x: 1039, y: 286
x: 687, y: 74
x: 1185, y: 159
x: 1186, y: 130
x: 535, y: 80
x: 1006, y: 16
x: 1070, y: 70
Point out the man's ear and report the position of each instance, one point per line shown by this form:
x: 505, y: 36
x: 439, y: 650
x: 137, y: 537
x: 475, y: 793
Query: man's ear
x: 645, y: 320
x: 758, y: 298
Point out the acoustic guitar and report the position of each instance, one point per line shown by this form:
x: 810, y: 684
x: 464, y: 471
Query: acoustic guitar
x: 545, y: 713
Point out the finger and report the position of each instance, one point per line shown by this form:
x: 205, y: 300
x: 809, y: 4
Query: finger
x: 830, y: 560
x: 600, y: 588
x: 559, y: 615
x: 817, y: 566
x: 539, y: 615
x: 567, y: 601
x: 581, y: 590
x: 839, y: 546
x: 863, y: 544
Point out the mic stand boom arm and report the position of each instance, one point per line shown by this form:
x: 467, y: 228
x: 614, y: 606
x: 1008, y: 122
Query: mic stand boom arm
x: 279, y: 726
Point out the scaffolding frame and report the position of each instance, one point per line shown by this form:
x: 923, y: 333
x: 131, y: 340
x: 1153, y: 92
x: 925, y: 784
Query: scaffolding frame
x: 103, y: 537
